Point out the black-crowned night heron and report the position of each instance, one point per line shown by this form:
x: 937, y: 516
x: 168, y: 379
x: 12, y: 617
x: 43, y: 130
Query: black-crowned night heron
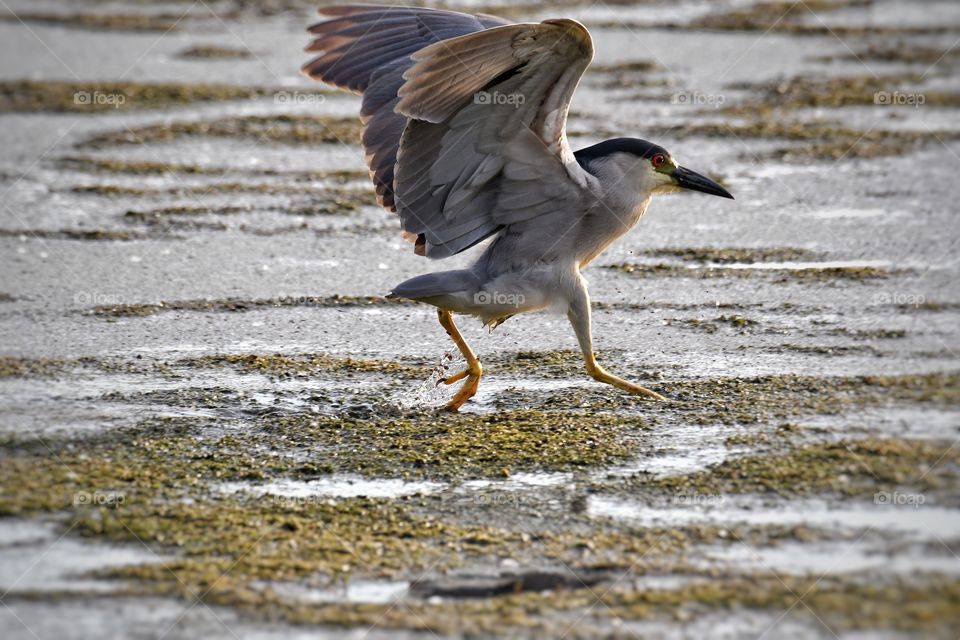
x: 465, y: 139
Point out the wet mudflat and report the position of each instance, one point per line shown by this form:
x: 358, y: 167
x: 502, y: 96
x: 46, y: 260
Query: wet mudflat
x: 214, y: 424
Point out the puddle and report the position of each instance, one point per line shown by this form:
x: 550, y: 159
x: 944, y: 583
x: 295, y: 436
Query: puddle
x: 684, y: 450
x: 848, y: 556
x: 343, y: 486
x: 354, y: 591
x: 34, y: 556
x: 159, y: 618
x: 463, y: 584
x: 903, y: 422
x: 519, y: 481
x: 745, y: 624
x: 923, y: 522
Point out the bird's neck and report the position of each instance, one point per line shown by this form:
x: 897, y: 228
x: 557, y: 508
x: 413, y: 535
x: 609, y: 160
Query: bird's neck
x: 606, y: 222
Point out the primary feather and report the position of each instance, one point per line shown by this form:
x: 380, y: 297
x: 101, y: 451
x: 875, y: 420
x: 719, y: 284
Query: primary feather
x: 366, y: 48
x: 465, y: 115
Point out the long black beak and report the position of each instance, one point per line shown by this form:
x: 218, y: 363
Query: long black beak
x: 696, y: 182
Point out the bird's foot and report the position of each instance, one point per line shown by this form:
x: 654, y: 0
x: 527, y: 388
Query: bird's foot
x: 600, y: 374
x: 469, y: 388
x: 457, y: 376
x: 638, y: 390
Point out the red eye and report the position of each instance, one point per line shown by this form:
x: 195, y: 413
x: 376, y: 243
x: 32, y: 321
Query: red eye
x: 658, y: 160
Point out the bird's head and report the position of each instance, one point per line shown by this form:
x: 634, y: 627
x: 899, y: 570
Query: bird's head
x: 630, y: 163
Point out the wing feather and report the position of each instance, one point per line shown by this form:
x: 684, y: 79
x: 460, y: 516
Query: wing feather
x: 455, y: 167
x: 366, y: 48
x: 486, y: 145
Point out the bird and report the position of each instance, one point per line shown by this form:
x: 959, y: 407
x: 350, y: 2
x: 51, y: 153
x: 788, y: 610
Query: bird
x: 464, y: 133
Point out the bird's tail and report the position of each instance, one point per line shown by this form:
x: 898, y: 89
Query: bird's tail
x: 442, y: 283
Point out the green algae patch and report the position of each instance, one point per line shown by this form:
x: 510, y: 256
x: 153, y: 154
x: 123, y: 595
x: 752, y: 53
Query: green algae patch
x: 184, y: 217
x: 153, y: 485
x: 833, y: 92
x: 726, y: 255
x: 929, y: 605
x: 762, y: 399
x: 559, y: 364
x: 133, y: 167
x: 155, y: 490
x: 199, y: 218
x: 712, y: 326
x: 14, y: 367
x: 858, y: 144
x: 688, y: 306
x: 820, y: 139
x: 441, y: 445
x: 551, y: 364
x: 800, y: 18
x: 782, y: 397
x: 628, y: 74
x: 101, y: 21
x: 626, y: 66
x: 87, y: 97
x: 280, y: 129
x: 73, y: 234
x: 236, y: 305
x: 166, y: 457
x: 929, y: 305
x: 213, y: 52
x: 766, y: 115
x: 227, y: 543
x: 900, y: 53
x: 826, y: 350
x: 261, y: 188
x: 806, y: 275
x: 91, y: 164
x: 870, y: 334
x: 234, y: 550
x: 278, y: 365
x: 158, y: 483
x: 753, y: 400
x: 859, y: 467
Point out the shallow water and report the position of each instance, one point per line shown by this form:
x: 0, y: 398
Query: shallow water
x: 895, y: 213
x: 335, y: 487
x: 922, y: 522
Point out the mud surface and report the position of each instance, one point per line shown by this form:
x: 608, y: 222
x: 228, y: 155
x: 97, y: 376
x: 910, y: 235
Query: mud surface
x: 215, y: 424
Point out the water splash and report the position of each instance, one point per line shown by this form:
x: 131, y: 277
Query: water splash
x: 432, y: 393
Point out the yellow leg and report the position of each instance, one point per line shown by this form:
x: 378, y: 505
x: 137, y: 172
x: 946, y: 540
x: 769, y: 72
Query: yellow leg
x: 473, y: 371
x: 601, y: 374
x: 579, y: 316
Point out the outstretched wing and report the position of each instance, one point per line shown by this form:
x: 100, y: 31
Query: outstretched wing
x: 486, y: 145
x: 366, y: 49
